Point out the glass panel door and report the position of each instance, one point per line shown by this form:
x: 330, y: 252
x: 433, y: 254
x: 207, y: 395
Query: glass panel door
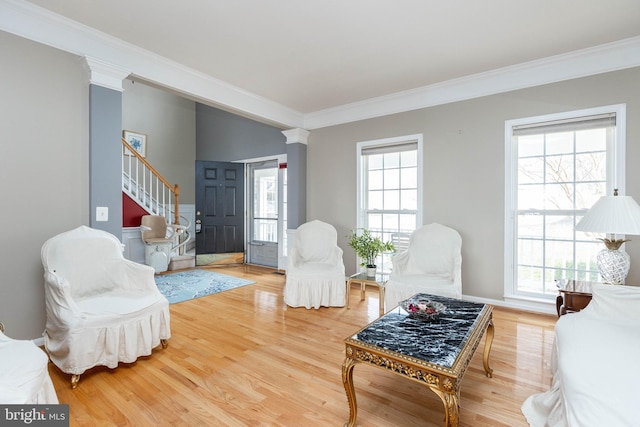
x: 263, y: 221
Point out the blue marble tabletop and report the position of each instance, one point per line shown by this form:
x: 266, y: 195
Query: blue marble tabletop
x: 434, y: 341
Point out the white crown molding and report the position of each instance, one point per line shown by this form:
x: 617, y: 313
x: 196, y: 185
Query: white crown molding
x: 38, y: 24
x: 581, y: 63
x: 32, y: 22
x: 296, y: 136
x: 105, y: 75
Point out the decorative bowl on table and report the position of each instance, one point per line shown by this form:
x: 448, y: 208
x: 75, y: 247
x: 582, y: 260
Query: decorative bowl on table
x: 423, y: 309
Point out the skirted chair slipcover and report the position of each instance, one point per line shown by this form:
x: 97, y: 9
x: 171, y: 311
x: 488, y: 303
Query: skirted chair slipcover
x: 24, y: 374
x: 102, y: 309
x: 431, y: 264
x: 315, y: 272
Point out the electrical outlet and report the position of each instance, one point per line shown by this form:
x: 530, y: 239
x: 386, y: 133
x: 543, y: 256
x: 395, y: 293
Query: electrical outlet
x: 102, y: 213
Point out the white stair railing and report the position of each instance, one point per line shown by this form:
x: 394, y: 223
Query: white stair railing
x: 147, y: 187
x: 154, y: 193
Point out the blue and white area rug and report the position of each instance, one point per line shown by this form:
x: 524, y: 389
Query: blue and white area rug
x: 186, y: 285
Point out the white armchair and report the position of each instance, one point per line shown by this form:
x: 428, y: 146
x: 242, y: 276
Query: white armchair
x: 431, y: 264
x: 315, y: 272
x: 102, y: 309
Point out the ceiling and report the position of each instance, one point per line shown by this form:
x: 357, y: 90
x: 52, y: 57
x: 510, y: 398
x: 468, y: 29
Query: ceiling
x: 312, y: 55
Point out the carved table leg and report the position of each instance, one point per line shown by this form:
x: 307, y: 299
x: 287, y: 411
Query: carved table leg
x: 347, y: 380
x: 451, y: 403
x: 487, y: 348
x: 165, y: 343
x: 74, y: 380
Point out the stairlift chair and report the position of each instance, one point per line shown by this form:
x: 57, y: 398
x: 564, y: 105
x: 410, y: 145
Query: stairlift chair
x: 159, y: 240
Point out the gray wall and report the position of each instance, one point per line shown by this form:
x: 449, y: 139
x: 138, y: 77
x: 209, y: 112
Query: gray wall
x: 226, y: 137
x: 44, y: 166
x: 464, y: 166
x: 169, y: 121
x: 45, y: 159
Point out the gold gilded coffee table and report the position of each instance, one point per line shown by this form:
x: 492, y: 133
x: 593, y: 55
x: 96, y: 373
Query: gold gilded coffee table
x: 435, y: 353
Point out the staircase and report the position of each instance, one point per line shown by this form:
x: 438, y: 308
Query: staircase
x: 151, y: 191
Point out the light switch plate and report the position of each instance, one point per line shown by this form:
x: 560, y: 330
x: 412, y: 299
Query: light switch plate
x: 102, y: 213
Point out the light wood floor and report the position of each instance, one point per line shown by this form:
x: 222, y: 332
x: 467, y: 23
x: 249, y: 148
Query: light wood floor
x: 243, y: 358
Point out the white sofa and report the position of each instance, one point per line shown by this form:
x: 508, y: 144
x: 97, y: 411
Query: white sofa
x: 24, y: 373
x: 595, y: 365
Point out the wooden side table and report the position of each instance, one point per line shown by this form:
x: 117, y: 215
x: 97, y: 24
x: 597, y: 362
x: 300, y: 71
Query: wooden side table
x: 574, y: 295
x: 380, y: 280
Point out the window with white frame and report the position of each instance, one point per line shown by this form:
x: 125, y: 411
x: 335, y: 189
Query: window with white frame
x: 557, y: 167
x: 389, y: 190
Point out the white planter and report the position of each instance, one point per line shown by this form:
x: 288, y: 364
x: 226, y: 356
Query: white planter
x: 371, y: 271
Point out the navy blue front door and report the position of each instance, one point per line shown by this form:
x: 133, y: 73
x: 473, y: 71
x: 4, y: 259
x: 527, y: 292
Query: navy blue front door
x: 219, y: 207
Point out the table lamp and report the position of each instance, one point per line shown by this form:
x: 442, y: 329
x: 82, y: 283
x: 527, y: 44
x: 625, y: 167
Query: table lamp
x: 612, y: 215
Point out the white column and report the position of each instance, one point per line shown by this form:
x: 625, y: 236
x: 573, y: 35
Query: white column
x: 105, y: 131
x: 296, y: 177
x: 297, y: 135
x: 104, y: 74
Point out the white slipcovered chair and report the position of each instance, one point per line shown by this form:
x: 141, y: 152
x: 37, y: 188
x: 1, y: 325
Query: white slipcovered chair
x: 24, y: 373
x: 315, y: 272
x: 594, y: 365
x: 102, y: 309
x: 431, y: 264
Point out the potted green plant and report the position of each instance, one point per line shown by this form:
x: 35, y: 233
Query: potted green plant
x: 368, y: 247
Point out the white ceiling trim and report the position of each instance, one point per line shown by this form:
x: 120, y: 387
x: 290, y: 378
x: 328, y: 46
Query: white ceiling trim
x: 296, y: 136
x: 32, y: 22
x: 600, y: 59
x: 38, y: 24
x: 105, y: 75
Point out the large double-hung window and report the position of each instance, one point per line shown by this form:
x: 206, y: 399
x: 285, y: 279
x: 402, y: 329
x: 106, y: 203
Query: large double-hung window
x: 557, y: 167
x: 389, y: 189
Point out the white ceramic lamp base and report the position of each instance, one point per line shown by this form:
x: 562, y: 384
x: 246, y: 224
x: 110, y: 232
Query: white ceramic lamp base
x: 613, y: 265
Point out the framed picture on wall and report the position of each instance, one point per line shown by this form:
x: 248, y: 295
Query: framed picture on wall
x: 137, y: 140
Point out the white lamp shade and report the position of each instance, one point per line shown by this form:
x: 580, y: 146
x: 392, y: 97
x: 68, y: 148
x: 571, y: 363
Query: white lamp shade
x: 613, y: 215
